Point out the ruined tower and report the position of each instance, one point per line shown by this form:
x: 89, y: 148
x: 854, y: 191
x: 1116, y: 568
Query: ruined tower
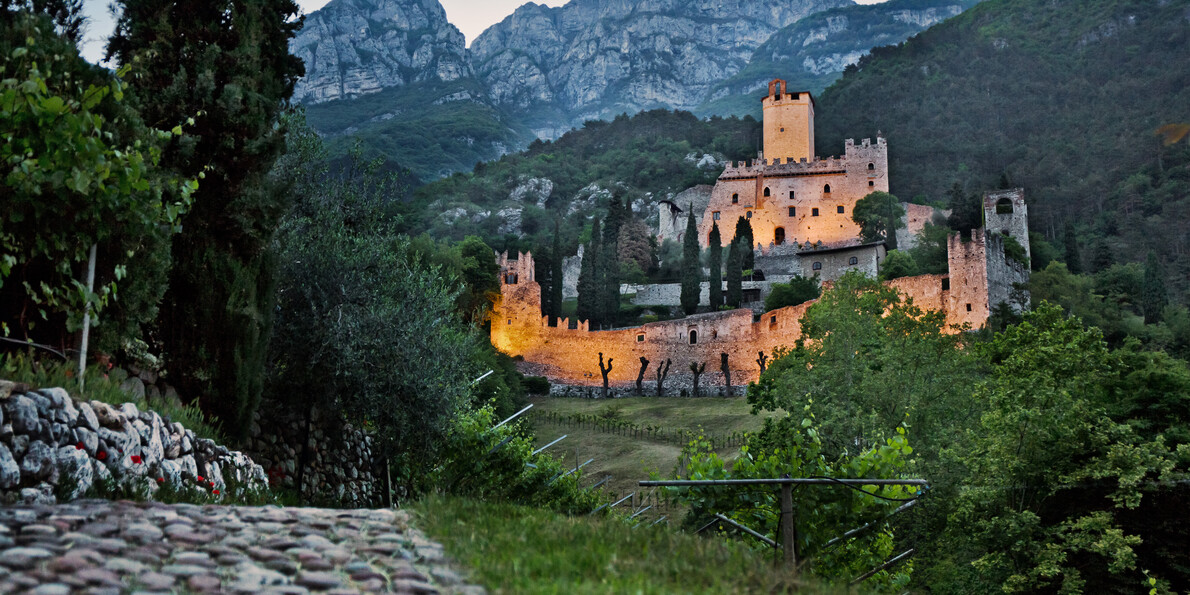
x: 1004, y: 213
x: 788, y: 124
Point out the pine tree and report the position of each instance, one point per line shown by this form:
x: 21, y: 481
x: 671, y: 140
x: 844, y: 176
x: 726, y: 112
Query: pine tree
x: 227, y: 65
x: 1074, y: 260
x: 743, y: 235
x: 609, y: 265
x: 1101, y: 256
x: 1153, y: 295
x: 735, y: 275
x: 716, y: 264
x: 588, y: 288
x: 691, y: 268
x: 556, y: 278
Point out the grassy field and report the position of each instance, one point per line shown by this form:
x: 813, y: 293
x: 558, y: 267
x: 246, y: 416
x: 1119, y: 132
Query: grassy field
x: 513, y: 549
x: 629, y: 459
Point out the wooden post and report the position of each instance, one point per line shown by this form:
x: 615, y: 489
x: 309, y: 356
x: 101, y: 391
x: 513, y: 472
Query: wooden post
x: 87, y: 318
x: 788, y: 533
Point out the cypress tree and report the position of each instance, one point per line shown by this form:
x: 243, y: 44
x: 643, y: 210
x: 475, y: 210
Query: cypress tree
x: 588, y: 288
x: 691, y: 268
x: 556, y: 279
x: 226, y: 64
x: 1153, y: 295
x: 1101, y: 256
x: 716, y: 264
x: 735, y: 275
x: 609, y: 265
x: 743, y: 235
x: 1074, y: 260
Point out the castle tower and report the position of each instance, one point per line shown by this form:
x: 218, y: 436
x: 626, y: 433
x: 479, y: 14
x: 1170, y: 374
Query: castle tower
x: 788, y: 124
x: 1004, y: 213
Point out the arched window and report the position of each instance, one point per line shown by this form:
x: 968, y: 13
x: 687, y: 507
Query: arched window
x: 735, y: 198
x: 1004, y: 207
x: 826, y: 189
x: 779, y: 236
x: 853, y: 260
x: 818, y: 266
x: 511, y: 279
x: 871, y: 167
x: 766, y: 192
x: 749, y: 214
x: 693, y: 337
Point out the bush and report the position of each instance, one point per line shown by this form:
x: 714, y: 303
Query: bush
x: 536, y: 385
x: 799, y: 290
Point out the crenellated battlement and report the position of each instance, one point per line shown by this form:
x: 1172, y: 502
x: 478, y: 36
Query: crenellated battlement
x: 518, y: 270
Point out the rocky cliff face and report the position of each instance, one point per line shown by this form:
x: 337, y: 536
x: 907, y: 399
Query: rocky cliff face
x: 356, y: 47
x: 594, y: 58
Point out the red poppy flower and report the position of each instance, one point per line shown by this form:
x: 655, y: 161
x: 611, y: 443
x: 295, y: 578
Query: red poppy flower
x: 135, y: 459
x: 160, y: 480
x: 79, y: 446
x: 216, y: 492
x: 101, y: 455
x: 200, y: 479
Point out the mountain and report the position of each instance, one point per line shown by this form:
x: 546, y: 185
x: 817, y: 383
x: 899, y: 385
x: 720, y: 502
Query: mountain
x: 812, y: 53
x: 594, y: 59
x: 356, y: 47
x: 1060, y: 97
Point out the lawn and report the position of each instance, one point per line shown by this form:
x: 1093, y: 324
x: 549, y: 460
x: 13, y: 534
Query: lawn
x: 627, y: 458
x: 514, y: 549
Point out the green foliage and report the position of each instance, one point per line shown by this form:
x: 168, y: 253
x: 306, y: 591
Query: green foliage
x: 898, y: 263
x: 715, y: 263
x: 691, y: 268
x: 226, y: 66
x: 588, y: 277
x: 799, y: 290
x: 1014, y: 251
x: 517, y: 549
x: 1072, y: 256
x: 878, y: 216
x: 735, y: 274
x: 1153, y: 296
x: 537, y: 385
x: 747, y: 243
x: 931, y: 254
x: 80, y: 169
x: 791, y: 446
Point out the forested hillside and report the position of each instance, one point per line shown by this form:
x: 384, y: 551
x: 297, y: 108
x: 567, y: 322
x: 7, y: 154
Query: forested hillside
x: 1062, y: 98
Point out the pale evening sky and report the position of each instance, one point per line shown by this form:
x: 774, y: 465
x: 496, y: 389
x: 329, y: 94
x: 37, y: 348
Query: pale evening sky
x: 470, y: 16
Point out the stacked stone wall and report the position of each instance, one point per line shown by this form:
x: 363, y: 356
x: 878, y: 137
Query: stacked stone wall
x: 339, y: 464
x: 52, y: 445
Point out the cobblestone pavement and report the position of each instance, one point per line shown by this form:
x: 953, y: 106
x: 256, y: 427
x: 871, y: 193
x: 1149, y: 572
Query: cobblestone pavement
x: 97, y: 546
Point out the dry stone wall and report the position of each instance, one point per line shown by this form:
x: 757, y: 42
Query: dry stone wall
x: 53, y: 446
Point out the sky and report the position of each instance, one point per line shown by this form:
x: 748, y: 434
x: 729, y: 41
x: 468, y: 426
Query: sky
x: 470, y: 16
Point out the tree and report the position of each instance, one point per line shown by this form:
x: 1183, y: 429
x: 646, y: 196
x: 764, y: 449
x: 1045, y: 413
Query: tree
x: 743, y: 234
x: 691, y: 268
x: 715, y: 250
x: 799, y: 290
x: 966, y: 211
x: 879, y: 217
x: 608, y: 271
x: 556, y: 278
x: 898, y: 263
x: 67, y: 15
x: 932, y: 251
x: 1072, y: 256
x: 588, y: 288
x: 1153, y: 298
x: 735, y: 275
x: 82, y: 171
x: 226, y: 64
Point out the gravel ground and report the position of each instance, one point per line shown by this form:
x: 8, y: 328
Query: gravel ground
x: 98, y: 546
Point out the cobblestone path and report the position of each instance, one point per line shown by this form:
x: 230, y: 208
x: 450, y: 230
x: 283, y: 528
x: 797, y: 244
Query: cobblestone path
x: 97, y: 546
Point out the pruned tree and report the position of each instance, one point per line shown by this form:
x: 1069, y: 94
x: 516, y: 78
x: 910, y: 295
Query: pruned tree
x: 662, y: 374
x: 697, y: 369
x: 726, y: 373
x: 640, y: 376
x: 605, y: 371
x: 762, y: 360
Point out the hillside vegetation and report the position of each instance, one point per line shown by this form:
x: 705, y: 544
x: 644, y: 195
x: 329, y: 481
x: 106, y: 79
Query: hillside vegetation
x: 1062, y: 98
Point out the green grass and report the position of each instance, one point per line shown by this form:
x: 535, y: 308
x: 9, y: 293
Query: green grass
x: 514, y: 549
x: 629, y: 459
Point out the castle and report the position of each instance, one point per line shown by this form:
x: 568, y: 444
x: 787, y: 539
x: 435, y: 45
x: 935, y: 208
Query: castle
x: 800, y: 209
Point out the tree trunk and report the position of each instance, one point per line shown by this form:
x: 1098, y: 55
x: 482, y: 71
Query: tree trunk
x: 662, y: 372
x: 605, y: 371
x: 644, y: 365
x: 726, y: 372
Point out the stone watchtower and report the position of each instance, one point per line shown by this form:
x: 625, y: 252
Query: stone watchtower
x: 788, y: 124
x: 1004, y: 213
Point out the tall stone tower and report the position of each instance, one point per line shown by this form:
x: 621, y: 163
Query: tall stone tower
x: 788, y: 124
x: 1005, y: 213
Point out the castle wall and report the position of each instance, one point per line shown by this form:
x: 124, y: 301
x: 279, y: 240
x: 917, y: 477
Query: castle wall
x: 968, y: 296
x: 1004, y: 276
x: 914, y: 221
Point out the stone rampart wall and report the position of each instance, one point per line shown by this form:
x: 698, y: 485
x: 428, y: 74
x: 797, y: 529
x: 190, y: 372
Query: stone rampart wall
x: 52, y: 446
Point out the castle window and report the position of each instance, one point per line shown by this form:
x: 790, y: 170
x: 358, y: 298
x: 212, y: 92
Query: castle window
x: 510, y: 279
x: 1004, y: 207
x: 640, y: 338
x: 782, y: 129
x: 793, y: 211
x: 839, y: 208
x: 814, y: 212
x: 693, y: 337
x: 946, y: 285
x: 735, y: 198
x: 790, y: 195
x: 779, y: 236
x: 715, y: 215
x: 817, y: 266
x: 968, y: 307
x: 871, y: 167
x: 749, y: 214
x: 773, y: 322
x: 509, y: 320
x: 853, y: 260
x: 766, y: 192
x: 826, y: 189
x: 871, y: 184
